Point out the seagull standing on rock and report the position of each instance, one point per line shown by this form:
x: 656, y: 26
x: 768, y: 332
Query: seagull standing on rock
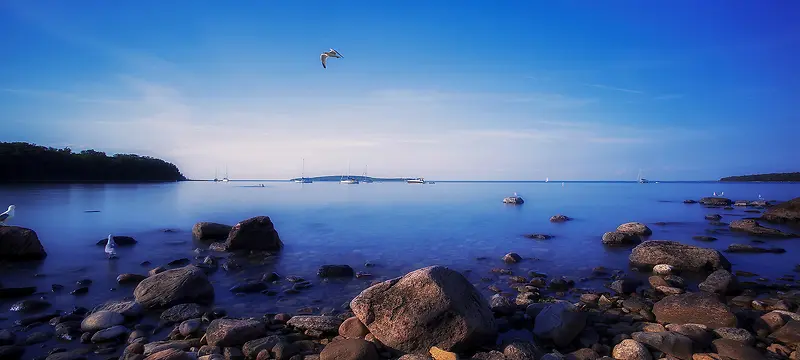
x: 324, y: 57
x: 110, y: 246
x: 7, y: 215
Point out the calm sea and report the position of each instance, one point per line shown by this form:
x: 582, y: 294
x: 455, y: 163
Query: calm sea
x: 398, y: 227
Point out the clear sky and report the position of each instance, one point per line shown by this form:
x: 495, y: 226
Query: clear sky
x: 484, y: 90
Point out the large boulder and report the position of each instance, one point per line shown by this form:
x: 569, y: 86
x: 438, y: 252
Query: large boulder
x: 752, y: 227
x: 187, y: 284
x: 432, y: 306
x: 694, y: 308
x: 20, y: 244
x: 716, y: 201
x: 788, y: 212
x: 211, y: 231
x: 234, y: 332
x: 257, y: 233
x: 635, y: 228
x: 681, y: 257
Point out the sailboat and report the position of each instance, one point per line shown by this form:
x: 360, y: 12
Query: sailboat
x: 225, y: 179
x: 640, y: 179
x: 546, y: 179
x: 348, y: 179
x: 303, y: 179
x: 364, y: 177
x: 216, y: 179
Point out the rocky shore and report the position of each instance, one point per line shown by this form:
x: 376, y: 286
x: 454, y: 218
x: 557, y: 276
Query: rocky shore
x: 694, y: 305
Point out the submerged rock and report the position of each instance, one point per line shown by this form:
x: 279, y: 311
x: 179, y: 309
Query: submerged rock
x: 618, y: 238
x: 559, y: 218
x: 682, y: 257
x: 745, y: 248
x: 328, y: 271
x: 119, y: 240
x: 635, y: 228
x: 20, y: 244
x: 400, y: 312
x: 211, y: 231
x: 752, y: 227
x: 256, y: 233
x: 187, y: 284
x: 716, y: 201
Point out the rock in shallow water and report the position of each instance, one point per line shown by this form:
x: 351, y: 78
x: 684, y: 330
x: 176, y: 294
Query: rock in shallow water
x: 257, y: 233
x: 694, y: 308
x: 635, y: 228
x: 752, y: 227
x: 327, y: 271
x: 618, y: 238
x: 682, y: 257
x: 560, y: 322
x: 210, y: 231
x: 101, y: 320
x: 20, y: 244
x: 172, y: 287
x: 111, y: 333
x: 234, y: 332
x: 395, y: 312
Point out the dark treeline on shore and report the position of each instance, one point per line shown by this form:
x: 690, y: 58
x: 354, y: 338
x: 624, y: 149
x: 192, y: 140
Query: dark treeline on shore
x: 22, y: 162
x: 794, y: 176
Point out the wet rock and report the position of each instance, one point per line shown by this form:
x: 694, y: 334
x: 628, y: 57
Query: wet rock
x: 17, y: 292
x: 752, y: 227
x: 29, y: 305
x: 129, y: 309
x: 559, y: 218
x: 257, y: 233
x: 249, y: 287
x: 713, y: 217
x: 211, y: 231
x: 349, y: 349
x: 189, y: 327
x: 788, y: 334
x: 680, y: 256
x: 20, y: 244
x: 69, y: 330
x: 234, y: 332
x: 635, y: 228
x: 395, y: 312
x: 719, y: 282
x: 119, y: 240
x: 111, y: 333
x: 101, y: 320
x: 179, y: 262
x: 694, y: 308
x: 80, y: 291
x: 539, y: 236
x: 669, y: 290
x: 715, y: 201
x: 502, y: 305
x: 512, y: 258
x: 170, y: 354
x: 704, y: 238
x: 631, y: 350
x: 252, y: 348
x: 690, y: 201
x: 218, y: 246
x: 787, y: 212
x: 560, y: 322
x: 625, y: 285
x: 670, y: 343
x: 77, y: 354
x: 125, y: 279
x: 746, y: 248
x: 325, y: 324
x: 663, y: 269
x: 701, y: 337
x: 181, y: 312
x: 736, y: 350
x: 329, y: 271
x: 172, y: 287
x: 38, y: 338
x: 618, y: 238
x: 736, y: 334
x: 519, y: 350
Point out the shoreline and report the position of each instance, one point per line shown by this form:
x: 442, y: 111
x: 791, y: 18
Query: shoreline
x: 621, y: 308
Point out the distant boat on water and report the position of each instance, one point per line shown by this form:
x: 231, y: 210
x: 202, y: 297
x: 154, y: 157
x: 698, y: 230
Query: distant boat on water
x: 365, y: 178
x: 546, y: 179
x: 303, y: 179
x: 416, y: 181
x: 349, y: 179
x: 225, y: 179
x: 640, y: 179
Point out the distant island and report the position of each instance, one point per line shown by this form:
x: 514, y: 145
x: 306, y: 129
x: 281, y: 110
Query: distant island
x: 23, y: 162
x: 774, y: 177
x: 359, y: 178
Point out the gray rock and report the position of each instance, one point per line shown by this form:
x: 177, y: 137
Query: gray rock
x: 234, y: 332
x: 682, y: 257
x: 502, y: 305
x: 518, y: 350
x: 181, y: 312
x: 253, y: 347
x: 101, y: 320
x: 128, y: 309
x: 111, y: 333
x: 619, y: 238
x: 560, y: 322
x: 399, y: 312
x: 326, y: 324
x: 719, y: 282
x: 694, y: 308
x: 329, y: 271
x: 635, y: 228
x: 189, y: 327
x: 736, y: 334
x: 187, y: 284
x: 631, y: 350
x: 670, y: 343
x: 736, y: 350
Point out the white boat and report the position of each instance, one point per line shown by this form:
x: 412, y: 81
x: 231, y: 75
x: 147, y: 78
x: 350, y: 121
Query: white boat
x: 349, y: 179
x: 225, y: 179
x: 416, y: 181
x: 365, y: 178
x: 546, y: 179
x: 303, y: 179
x: 640, y: 179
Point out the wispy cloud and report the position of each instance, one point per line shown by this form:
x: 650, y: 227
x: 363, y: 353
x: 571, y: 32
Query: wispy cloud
x: 600, y: 86
x: 669, y: 97
x: 62, y: 95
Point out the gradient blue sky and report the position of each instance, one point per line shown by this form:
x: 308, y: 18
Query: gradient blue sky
x: 481, y: 90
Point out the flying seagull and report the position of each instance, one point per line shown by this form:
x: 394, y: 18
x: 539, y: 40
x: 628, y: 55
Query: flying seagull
x: 7, y: 215
x: 110, y: 246
x: 324, y: 57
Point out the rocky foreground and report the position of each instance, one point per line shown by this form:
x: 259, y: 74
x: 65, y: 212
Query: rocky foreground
x: 436, y: 313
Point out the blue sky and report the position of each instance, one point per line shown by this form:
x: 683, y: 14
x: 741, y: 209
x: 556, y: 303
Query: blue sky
x: 483, y: 90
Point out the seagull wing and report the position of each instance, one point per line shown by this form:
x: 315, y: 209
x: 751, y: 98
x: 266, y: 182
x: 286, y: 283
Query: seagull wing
x: 337, y: 53
x: 3, y: 216
x: 324, y: 59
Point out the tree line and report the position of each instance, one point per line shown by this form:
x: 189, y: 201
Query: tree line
x: 25, y: 162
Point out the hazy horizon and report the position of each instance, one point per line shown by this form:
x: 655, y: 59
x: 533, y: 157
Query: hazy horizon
x: 479, y: 91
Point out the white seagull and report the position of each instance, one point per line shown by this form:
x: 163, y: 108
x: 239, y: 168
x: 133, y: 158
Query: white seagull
x: 324, y: 57
x: 110, y: 246
x: 7, y: 215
